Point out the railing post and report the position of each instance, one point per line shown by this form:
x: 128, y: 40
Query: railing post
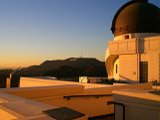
x: 8, y: 82
x: 116, y: 103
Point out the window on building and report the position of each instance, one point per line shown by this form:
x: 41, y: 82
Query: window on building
x: 116, y: 68
x: 126, y: 36
x: 120, y: 29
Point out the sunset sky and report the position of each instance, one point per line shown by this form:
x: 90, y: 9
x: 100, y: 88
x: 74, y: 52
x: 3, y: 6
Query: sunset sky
x: 33, y: 31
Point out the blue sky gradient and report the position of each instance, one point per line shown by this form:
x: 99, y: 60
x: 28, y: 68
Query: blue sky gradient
x: 33, y: 31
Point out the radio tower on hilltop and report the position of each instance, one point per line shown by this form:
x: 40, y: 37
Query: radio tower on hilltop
x: 81, y: 55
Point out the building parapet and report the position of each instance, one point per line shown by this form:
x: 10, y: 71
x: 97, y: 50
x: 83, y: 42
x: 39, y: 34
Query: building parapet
x: 36, y: 82
x: 91, y: 102
x: 133, y: 46
x: 122, y: 47
x: 137, y: 104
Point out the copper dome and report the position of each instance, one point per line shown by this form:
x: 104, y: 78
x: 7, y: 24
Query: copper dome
x: 136, y: 16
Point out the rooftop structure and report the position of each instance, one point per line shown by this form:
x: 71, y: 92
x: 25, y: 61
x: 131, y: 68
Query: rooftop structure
x: 87, y: 99
x: 91, y: 102
x: 136, y: 16
x: 136, y: 105
x: 134, y: 55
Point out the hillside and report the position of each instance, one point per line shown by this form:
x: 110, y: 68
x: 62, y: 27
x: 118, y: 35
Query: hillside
x: 71, y: 67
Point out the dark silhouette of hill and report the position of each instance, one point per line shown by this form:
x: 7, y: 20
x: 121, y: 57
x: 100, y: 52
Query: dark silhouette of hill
x: 68, y: 68
x: 5, y: 71
x: 69, y: 72
x: 71, y: 67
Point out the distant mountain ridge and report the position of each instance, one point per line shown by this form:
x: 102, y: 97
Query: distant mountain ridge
x: 66, y: 68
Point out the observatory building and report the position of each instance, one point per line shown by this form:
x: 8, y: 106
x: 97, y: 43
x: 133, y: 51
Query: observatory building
x: 134, y: 54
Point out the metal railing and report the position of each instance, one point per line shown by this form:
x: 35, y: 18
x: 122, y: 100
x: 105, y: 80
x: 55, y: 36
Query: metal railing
x: 97, y: 96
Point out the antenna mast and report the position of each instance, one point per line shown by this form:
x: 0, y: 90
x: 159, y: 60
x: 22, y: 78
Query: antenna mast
x: 81, y: 54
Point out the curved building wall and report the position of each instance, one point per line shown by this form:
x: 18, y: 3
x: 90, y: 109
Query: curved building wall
x: 109, y: 63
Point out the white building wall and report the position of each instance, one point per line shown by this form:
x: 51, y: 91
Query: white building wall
x: 128, y: 68
x: 153, y: 66
x: 37, y: 82
x: 144, y: 57
x: 139, y: 105
x: 145, y: 47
